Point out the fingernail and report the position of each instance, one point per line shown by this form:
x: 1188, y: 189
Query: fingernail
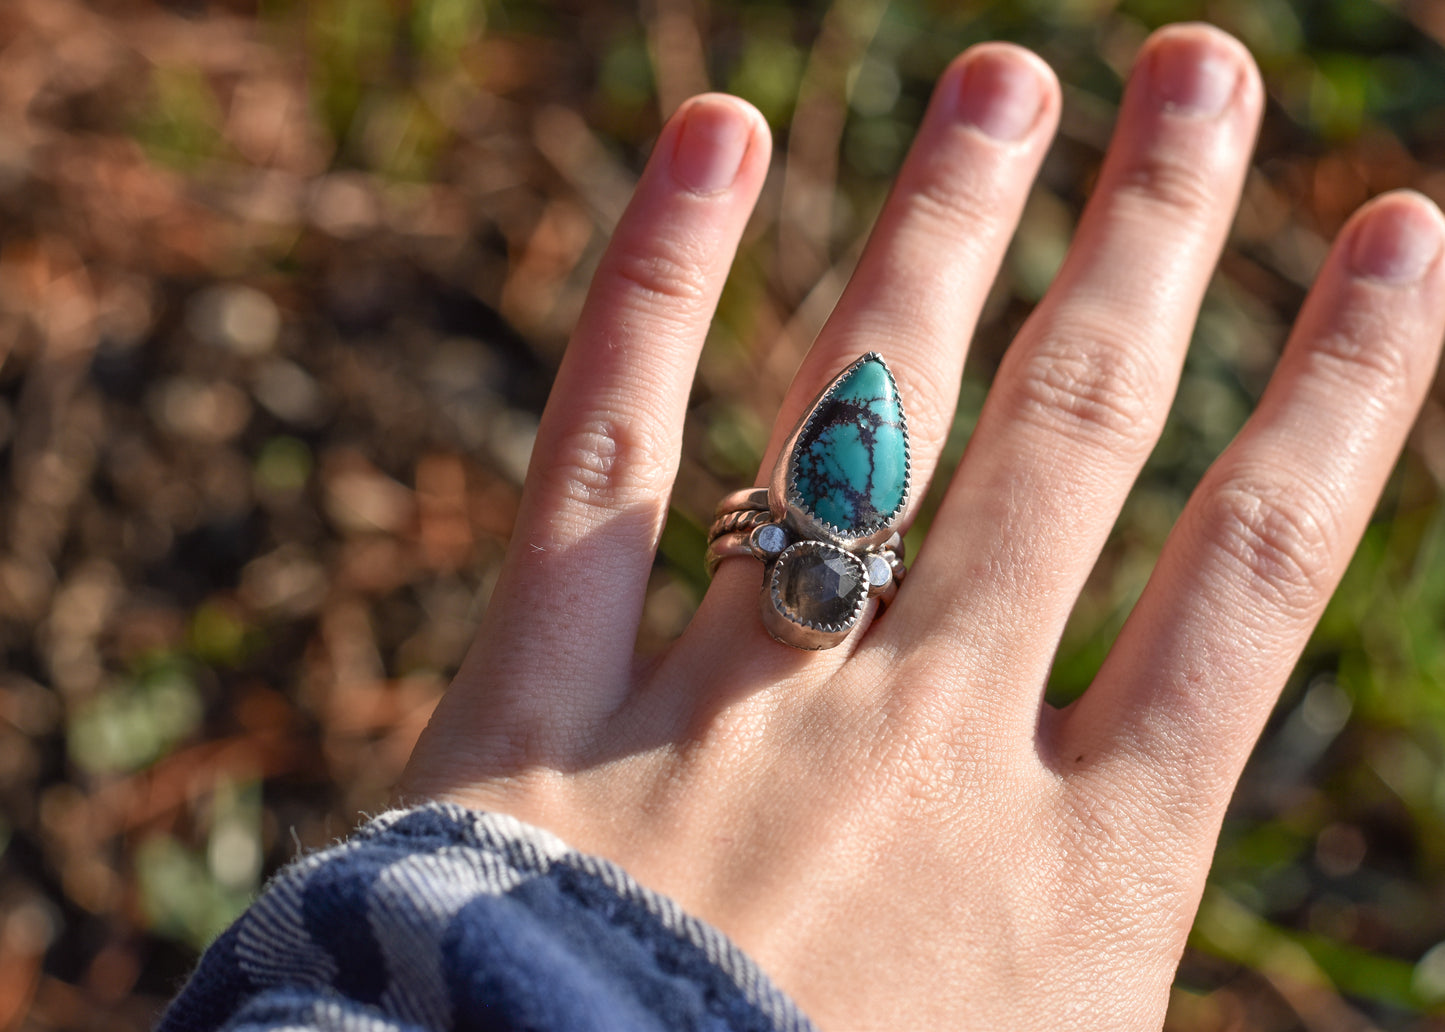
x: 1397, y: 243
x: 1190, y: 76
x: 1000, y: 95
x: 710, y: 146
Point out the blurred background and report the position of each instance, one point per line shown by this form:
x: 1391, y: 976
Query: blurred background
x: 283, y: 284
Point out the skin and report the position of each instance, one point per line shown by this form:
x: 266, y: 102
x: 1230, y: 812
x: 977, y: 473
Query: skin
x: 900, y: 830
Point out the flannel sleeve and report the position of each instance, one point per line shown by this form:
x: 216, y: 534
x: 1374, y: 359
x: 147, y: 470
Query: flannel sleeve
x: 445, y: 918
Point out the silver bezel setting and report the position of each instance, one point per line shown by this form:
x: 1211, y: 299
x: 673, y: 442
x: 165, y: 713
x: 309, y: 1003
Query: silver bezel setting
x: 793, y: 629
x: 743, y: 515
x: 783, y: 501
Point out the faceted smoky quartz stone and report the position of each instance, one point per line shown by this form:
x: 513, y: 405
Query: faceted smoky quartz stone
x: 820, y: 584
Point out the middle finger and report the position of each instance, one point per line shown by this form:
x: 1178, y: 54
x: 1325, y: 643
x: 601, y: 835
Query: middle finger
x: 1083, y: 392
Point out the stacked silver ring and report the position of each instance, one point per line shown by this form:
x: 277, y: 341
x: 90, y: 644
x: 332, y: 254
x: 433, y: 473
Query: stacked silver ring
x: 825, y: 525
x: 744, y: 525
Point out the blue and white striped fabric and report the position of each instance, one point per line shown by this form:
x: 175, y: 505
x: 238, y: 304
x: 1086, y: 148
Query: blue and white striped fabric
x: 444, y: 918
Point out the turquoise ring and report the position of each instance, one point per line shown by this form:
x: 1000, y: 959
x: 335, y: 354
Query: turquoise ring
x: 825, y: 526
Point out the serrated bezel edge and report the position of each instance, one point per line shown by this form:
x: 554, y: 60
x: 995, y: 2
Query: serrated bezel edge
x: 774, y: 573
x: 788, y: 464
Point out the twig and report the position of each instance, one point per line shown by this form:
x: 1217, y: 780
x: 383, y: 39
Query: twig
x: 811, y: 174
x: 674, y: 43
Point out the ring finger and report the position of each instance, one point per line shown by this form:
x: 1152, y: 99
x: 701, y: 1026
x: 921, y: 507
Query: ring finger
x: 926, y: 271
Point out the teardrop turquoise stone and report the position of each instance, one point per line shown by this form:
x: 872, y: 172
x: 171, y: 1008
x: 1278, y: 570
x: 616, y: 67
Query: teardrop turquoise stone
x: 850, y: 463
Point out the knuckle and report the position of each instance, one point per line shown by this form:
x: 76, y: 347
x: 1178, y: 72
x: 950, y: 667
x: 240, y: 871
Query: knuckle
x: 661, y: 273
x: 949, y: 205
x: 1168, y: 178
x: 1280, y: 534
x: 1365, y: 352
x: 1080, y: 386
x: 602, y: 463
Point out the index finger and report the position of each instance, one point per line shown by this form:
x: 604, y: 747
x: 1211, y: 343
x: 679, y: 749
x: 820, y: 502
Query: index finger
x: 1263, y: 542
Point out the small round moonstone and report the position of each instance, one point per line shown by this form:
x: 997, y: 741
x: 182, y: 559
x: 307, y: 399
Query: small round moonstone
x: 770, y: 539
x: 821, y: 585
x: 879, y: 572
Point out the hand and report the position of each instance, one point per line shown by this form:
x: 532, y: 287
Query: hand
x: 899, y: 829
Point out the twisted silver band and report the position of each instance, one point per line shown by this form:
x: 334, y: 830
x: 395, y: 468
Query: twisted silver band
x: 741, y: 514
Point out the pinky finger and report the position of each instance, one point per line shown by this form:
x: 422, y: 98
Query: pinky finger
x: 1264, y: 541
x: 556, y: 644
